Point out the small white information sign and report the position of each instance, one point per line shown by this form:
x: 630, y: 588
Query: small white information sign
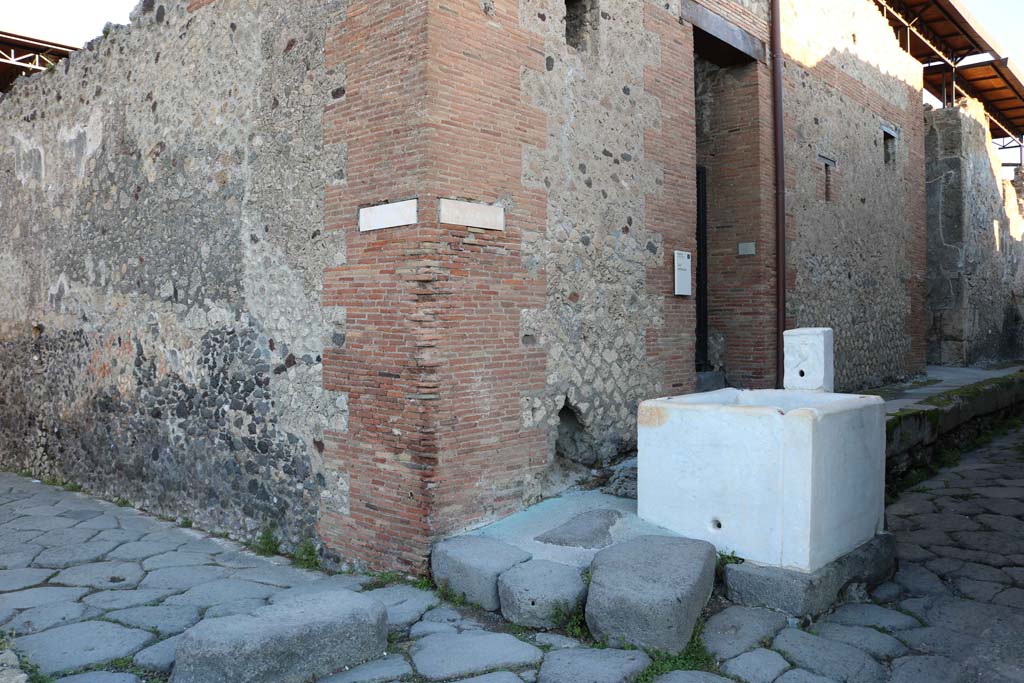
x: 684, y: 285
x: 390, y: 215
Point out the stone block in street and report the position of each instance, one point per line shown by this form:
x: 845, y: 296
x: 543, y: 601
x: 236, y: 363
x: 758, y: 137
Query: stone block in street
x: 292, y: 642
x: 469, y: 566
x: 828, y: 658
x: 648, y: 592
x: 738, y: 629
x: 756, y: 666
x: 405, y: 604
x: 79, y: 645
x: 532, y: 593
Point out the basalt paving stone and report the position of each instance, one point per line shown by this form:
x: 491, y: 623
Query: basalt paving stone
x: 80, y: 514
x: 64, y: 537
x: 1010, y: 525
x: 183, y: 578
x: 873, y: 616
x: 925, y: 669
x: 911, y: 506
x: 210, y: 546
x: 80, y: 645
x: 940, y: 640
x: 980, y: 572
x: 696, y: 677
x: 100, y: 677
x: 1002, y: 506
x: 967, y: 555
x: 157, y: 657
x: 828, y: 658
x: 238, y: 560
x: 404, y: 604
x: 101, y: 523
x: 390, y: 668
x: 887, y: 592
x: 221, y: 591
x: 66, y: 556
x: 141, y: 550
x: 987, y: 541
x: 104, y: 575
x: 48, y: 616
x: 11, y: 539
x: 924, y: 537
x: 18, y: 579
x: 554, y: 641
x: 176, y: 558
x: 281, y: 576
x: 34, y: 597
x: 911, y: 552
x: 1015, y: 573
x: 444, y: 656
x: 225, y: 609
x: 978, y: 590
x: 166, y: 619
x: 40, y: 523
x: 875, y: 643
x: 958, y: 507
x: 172, y: 536
x: 583, y: 665
x: 41, y: 511
x: 421, y: 629
x: 123, y: 599
x: 916, y: 580
x: 20, y: 558
x: 945, y: 522
x: 352, y: 582
x: 737, y: 629
x: 965, y: 616
x: 119, y: 536
x: 1014, y: 492
x: 1014, y: 597
x: 757, y: 666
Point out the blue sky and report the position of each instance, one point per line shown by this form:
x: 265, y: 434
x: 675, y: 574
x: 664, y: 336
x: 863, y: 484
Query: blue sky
x: 1004, y: 21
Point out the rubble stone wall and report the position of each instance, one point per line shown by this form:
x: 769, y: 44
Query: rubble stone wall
x: 975, y: 243
x: 162, y: 251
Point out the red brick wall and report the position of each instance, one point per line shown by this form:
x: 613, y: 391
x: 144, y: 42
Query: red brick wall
x: 478, y: 126
x: 673, y: 211
x: 386, y: 364
x: 738, y: 153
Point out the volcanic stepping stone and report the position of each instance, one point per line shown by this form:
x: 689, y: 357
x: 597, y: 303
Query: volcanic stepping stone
x: 470, y: 566
x: 737, y: 629
x: 583, y: 665
x: 828, y: 658
x: 405, y: 604
x: 443, y: 656
x: 648, y: 592
x: 534, y: 592
x: 291, y: 642
x: 80, y: 645
x: 159, y: 657
x: 108, y: 575
x: 391, y: 668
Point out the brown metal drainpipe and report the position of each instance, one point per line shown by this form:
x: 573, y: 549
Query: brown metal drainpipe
x: 778, y: 121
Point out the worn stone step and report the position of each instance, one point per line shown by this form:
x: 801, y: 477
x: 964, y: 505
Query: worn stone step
x: 291, y: 642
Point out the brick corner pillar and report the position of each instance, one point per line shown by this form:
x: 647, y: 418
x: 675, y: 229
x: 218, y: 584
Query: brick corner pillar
x: 433, y: 363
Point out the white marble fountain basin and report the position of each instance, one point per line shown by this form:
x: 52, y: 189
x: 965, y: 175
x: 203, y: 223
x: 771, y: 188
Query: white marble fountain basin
x: 792, y: 479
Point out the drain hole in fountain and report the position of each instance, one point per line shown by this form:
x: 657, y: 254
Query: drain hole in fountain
x: 716, y: 524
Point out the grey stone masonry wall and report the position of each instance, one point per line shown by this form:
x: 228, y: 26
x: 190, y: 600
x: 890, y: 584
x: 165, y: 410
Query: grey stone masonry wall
x: 975, y: 232
x: 161, y: 262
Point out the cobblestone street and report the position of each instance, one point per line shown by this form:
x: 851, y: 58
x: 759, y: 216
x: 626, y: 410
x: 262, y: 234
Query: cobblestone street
x: 91, y: 587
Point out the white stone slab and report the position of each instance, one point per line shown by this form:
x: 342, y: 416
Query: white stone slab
x: 791, y: 479
x: 472, y: 214
x: 391, y: 215
x: 809, y: 359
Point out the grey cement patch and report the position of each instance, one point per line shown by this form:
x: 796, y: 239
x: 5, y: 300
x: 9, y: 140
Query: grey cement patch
x: 590, y: 530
